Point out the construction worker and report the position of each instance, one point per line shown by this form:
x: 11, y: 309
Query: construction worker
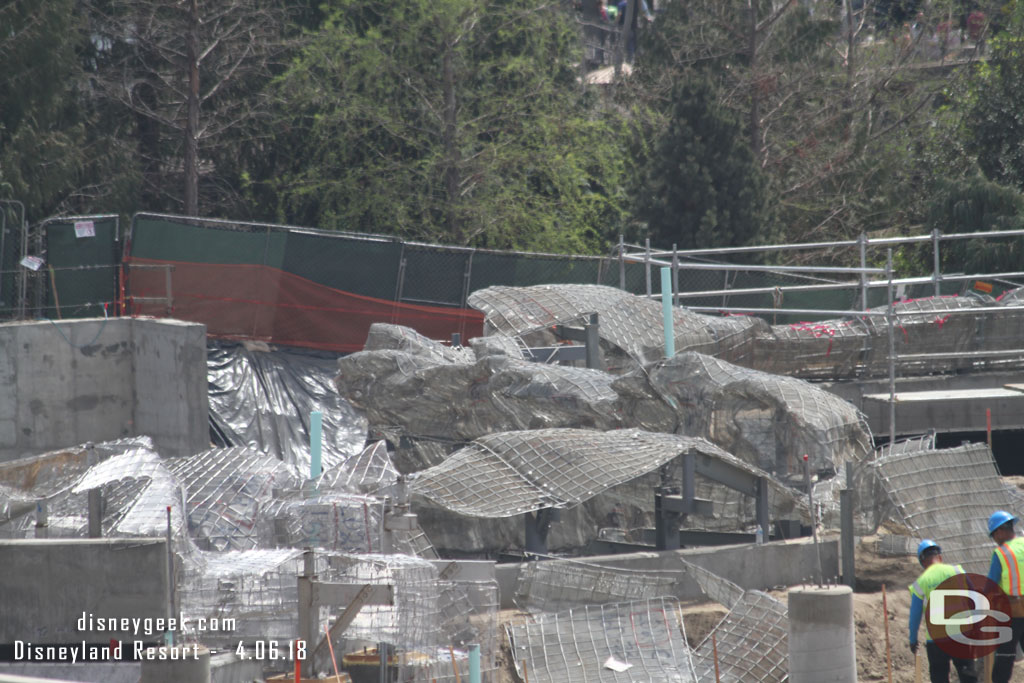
x: 1007, y: 561
x: 929, y: 554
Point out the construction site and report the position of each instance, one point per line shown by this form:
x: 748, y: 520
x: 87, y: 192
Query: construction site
x: 492, y: 467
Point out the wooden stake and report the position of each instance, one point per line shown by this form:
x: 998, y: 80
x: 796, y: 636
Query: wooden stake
x: 526, y: 675
x: 888, y: 649
x: 917, y: 668
x: 714, y: 653
x: 455, y: 665
x: 330, y: 646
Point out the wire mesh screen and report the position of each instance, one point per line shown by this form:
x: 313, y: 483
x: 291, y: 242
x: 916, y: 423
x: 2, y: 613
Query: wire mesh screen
x: 622, y: 642
x: 947, y: 495
x: 253, y: 592
x: 628, y: 323
x: 552, y: 585
x: 752, y: 643
x: 510, y: 473
x: 767, y: 420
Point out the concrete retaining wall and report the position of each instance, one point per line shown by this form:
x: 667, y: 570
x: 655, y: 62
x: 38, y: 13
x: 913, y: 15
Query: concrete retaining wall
x: 759, y: 567
x: 47, y: 585
x: 63, y: 383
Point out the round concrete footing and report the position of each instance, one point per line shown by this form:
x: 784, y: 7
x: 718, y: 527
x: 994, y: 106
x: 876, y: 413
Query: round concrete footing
x: 821, y: 635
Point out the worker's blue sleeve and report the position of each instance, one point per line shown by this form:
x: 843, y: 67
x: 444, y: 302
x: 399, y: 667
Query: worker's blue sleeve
x: 916, y: 610
x: 995, y: 570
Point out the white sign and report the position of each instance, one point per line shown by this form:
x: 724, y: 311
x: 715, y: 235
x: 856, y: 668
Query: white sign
x: 32, y: 262
x: 85, y: 229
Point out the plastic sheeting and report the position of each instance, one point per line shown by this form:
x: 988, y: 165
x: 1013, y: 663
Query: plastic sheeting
x: 263, y: 400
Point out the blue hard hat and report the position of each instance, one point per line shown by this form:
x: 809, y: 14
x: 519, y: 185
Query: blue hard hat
x: 925, y: 545
x: 998, y: 519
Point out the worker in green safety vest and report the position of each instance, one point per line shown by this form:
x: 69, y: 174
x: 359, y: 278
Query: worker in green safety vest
x: 929, y: 554
x: 1007, y: 562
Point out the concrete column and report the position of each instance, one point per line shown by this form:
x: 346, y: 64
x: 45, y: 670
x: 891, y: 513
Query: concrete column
x: 180, y: 664
x: 821, y: 635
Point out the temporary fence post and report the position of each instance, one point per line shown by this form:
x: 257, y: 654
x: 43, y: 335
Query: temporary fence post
x: 936, y: 273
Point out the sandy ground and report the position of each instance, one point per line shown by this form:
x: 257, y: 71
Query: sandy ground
x: 873, y: 570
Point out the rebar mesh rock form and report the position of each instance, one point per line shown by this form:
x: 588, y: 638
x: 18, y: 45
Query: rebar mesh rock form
x: 752, y: 643
x: 627, y: 322
x: 556, y: 584
x: 400, y: 338
x: 947, y: 495
x: 335, y: 522
x: 574, y: 646
x: 229, y: 491
x: 496, y: 345
x: 413, y: 396
x: 369, y: 472
x: 766, y: 420
x: 256, y: 588
x: 138, y: 489
x: 511, y: 473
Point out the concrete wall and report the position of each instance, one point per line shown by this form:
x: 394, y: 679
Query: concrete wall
x: 171, y: 404
x: 47, y: 585
x: 65, y: 383
x: 759, y: 567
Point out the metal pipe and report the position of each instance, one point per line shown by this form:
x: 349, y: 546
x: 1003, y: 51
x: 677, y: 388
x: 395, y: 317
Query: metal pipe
x: 862, y: 242
x: 814, y: 516
x: 853, y: 314
x: 761, y: 269
x: 892, y: 354
x: 169, y: 633
x: 647, y: 264
x: 675, y: 276
x: 474, y: 663
x: 666, y: 312
x: 936, y: 273
x: 622, y: 263
x: 315, y: 443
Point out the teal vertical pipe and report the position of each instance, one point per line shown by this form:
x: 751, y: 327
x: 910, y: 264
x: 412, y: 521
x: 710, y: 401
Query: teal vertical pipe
x: 666, y: 311
x: 316, y: 426
x: 474, y: 663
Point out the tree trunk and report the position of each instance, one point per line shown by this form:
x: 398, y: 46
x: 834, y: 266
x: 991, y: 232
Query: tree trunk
x: 192, y: 122
x: 451, y: 147
x: 755, y: 92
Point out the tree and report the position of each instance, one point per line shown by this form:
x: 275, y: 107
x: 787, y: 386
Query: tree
x: 453, y: 120
x: 699, y: 185
x: 182, y: 84
x: 994, y: 101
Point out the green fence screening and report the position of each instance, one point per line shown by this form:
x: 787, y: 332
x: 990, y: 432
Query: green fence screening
x: 80, y: 278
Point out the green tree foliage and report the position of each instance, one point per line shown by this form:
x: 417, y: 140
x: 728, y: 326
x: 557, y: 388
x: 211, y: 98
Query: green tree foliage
x: 454, y: 120
x: 995, y: 100
x: 52, y: 156
x: 699, y: 185
x: 973, y: 205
